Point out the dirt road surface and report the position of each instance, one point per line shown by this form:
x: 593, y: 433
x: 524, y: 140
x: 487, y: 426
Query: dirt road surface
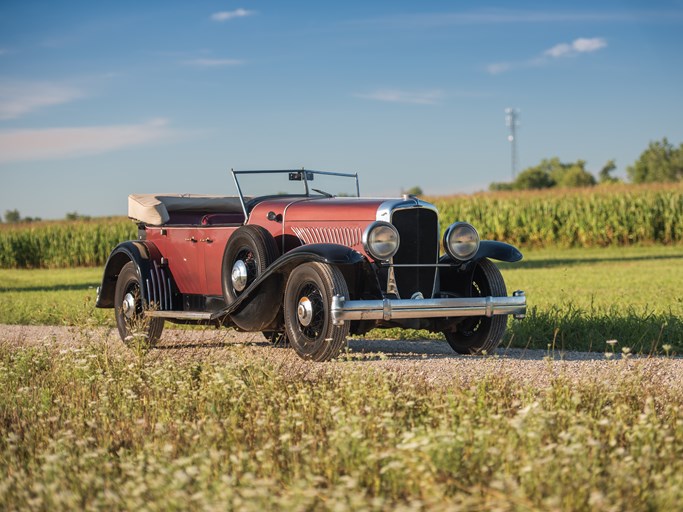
x: 432, y: 362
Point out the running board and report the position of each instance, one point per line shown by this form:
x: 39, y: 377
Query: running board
x: 180, y: 315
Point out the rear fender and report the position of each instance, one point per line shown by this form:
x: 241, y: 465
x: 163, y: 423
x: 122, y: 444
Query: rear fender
x: 142, y: 254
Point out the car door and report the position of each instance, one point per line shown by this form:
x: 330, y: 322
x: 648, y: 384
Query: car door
x: 182, y: 248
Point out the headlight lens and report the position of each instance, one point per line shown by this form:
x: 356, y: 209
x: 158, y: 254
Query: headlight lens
x: 381, y: 240
x: 461, y: 241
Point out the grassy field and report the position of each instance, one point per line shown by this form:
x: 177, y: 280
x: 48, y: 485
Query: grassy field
x: 579, y: 298
x: 92, y: 427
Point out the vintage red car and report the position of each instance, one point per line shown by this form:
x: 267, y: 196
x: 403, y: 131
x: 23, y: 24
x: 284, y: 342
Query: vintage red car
x: 301, y: 257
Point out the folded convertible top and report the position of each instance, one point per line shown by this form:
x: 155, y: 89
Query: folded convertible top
x: 154, y: 209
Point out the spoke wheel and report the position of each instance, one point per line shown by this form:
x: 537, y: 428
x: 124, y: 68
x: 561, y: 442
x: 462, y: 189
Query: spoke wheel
x: 478, y: 334
x: 308, y: 322
x: 131, y: 321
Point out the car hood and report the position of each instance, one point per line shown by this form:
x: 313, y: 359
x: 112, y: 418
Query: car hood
x: 321, y: 209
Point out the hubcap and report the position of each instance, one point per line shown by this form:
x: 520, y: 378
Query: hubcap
x: 240, y: 275
x: 128, y: 305
x: 305, y: 311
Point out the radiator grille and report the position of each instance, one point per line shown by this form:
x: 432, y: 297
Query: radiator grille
x: 419, y: 232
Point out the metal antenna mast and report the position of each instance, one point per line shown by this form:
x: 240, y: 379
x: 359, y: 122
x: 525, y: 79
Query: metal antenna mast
x: 511, y: 120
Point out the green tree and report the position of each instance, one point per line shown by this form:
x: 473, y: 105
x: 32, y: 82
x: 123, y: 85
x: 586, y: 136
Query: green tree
x: 414, y: 191
x: 605, y: 173
x: 501, y: 185
x: 660, y: 162
x: 577, y: 177
x: 12, y: 216
x: 550, y: 172
x: 533, y: 178
x: 77, y: 216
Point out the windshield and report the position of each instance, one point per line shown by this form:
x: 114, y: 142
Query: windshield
x: 251, y: 184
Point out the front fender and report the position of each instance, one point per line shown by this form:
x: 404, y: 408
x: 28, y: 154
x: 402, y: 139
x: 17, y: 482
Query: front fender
x: 140, y: 252
x: 458, y: 278
x: 272, y: 279
x: 500, y: 251
x: 488, y: 249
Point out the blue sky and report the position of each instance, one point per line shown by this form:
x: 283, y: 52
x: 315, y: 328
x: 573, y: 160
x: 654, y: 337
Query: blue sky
x: 102, y: 99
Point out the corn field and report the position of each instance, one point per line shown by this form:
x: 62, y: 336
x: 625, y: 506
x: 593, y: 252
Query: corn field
x: 598, y: 217
x: 62, y: 244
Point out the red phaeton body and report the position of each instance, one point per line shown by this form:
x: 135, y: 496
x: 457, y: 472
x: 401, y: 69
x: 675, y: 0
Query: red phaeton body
x: 299, y: 256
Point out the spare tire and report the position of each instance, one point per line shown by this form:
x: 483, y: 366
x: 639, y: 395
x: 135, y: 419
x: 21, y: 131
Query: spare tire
x: 248, y: 253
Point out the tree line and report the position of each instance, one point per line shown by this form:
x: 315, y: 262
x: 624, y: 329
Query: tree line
x: 661, y: 162
x: 14, y: 217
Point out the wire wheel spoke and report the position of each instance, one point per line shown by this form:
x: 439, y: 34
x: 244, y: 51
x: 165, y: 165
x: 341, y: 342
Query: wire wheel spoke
x: 315, y: 327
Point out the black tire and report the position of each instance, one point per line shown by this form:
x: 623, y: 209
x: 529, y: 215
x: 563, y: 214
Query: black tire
x: 255, y: 247
x: 129, y: 309
x: 308, y: 300
x: 478, y: 334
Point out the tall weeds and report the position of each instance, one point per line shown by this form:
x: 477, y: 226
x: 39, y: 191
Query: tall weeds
x: 89, y: 428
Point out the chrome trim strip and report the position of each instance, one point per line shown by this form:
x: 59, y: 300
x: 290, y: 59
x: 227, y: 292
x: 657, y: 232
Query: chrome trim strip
x: 414, y: 265
x: 180, y: 315
x: 390, y: 309
x: 385, y: 210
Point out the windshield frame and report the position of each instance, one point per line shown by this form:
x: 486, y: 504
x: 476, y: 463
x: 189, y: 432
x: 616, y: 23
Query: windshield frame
x: 305, y: 176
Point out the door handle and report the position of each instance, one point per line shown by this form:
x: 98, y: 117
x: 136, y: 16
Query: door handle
x: 193, y: 240
x: 207, y: 240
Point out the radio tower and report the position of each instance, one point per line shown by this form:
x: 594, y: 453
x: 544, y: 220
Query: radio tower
x: 511, y: 120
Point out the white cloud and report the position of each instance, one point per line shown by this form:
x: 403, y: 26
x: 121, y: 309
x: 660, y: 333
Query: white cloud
x: 231, y: 15
x: 499, y: 67
x: 578, y: 46
x: 61, y: 143
x: 430, y: 97
x: 17, y: 99
x: 581, y: 45
x: 214, y: 63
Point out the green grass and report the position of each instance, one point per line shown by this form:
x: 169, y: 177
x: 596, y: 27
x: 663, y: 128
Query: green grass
x: 51, y: 297
x: 582, y: 297
x: 578, y: 298
x: 642, y: 277
x: 92, y: 428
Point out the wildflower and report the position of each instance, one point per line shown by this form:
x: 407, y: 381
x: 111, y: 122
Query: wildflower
x: 611, y: 342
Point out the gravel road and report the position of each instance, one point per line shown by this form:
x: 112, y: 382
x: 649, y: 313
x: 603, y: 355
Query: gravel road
x: 432, y: 362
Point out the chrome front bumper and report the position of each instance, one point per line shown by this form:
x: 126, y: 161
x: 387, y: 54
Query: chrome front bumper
x: 391, y: 309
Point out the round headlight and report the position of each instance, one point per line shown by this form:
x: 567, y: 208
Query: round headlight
x: 461, y: 241
x: 381, y: 240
